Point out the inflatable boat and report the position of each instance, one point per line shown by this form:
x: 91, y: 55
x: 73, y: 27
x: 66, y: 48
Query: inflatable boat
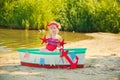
x: 68, y: 58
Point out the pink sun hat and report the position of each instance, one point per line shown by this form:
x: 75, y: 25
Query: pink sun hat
x: 54, y: 23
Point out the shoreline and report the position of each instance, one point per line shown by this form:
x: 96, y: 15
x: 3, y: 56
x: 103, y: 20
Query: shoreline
x: 102, y: 62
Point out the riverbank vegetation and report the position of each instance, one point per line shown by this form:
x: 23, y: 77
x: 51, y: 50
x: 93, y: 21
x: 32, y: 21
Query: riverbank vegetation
x: 74, y: 15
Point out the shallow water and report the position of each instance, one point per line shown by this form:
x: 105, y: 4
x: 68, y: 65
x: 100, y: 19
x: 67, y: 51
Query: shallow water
x: 11, y: 40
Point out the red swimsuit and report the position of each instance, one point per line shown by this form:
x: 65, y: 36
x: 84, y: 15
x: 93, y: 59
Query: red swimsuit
x: 52, y: 44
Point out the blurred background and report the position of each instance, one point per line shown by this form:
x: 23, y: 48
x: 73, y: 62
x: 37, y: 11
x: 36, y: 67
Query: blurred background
x: 73, y: 15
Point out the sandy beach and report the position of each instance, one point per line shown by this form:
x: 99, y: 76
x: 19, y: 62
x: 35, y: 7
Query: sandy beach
x: 102, y: 62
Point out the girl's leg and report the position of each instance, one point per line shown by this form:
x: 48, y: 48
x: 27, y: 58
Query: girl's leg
x: 44, y: 50
x: 56, y: 50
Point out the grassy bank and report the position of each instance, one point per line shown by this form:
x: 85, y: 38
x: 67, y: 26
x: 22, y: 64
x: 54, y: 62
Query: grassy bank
x: 74, y: 15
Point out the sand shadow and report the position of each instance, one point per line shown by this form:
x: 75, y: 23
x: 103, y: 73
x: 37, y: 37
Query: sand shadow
x: 94, y: 66
x: 105, y: 65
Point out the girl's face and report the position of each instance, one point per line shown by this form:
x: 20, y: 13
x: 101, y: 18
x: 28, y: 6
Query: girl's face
x: 53, y: 29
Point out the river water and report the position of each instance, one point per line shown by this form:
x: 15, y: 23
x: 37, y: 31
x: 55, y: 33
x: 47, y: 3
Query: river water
x: 11, y: 40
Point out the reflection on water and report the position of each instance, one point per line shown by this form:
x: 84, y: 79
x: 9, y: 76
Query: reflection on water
x: 13, y: 39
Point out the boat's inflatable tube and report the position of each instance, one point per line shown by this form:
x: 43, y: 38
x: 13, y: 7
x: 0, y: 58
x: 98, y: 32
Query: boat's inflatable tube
x: 35, y: 58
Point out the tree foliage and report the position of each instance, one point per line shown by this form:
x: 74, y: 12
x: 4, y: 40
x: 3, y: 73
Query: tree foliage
x: 73, y: 15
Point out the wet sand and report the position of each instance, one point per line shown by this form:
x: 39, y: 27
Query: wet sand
x: 102, y: 62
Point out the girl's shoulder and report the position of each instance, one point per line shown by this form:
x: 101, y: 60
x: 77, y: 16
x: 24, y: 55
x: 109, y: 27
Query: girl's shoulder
x: 59, y: 37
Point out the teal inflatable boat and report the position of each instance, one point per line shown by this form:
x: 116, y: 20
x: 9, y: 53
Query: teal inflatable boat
x: 69, y: 58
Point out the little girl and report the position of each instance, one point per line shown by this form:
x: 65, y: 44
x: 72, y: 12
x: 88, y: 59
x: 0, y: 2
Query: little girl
x: 53, y: 39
